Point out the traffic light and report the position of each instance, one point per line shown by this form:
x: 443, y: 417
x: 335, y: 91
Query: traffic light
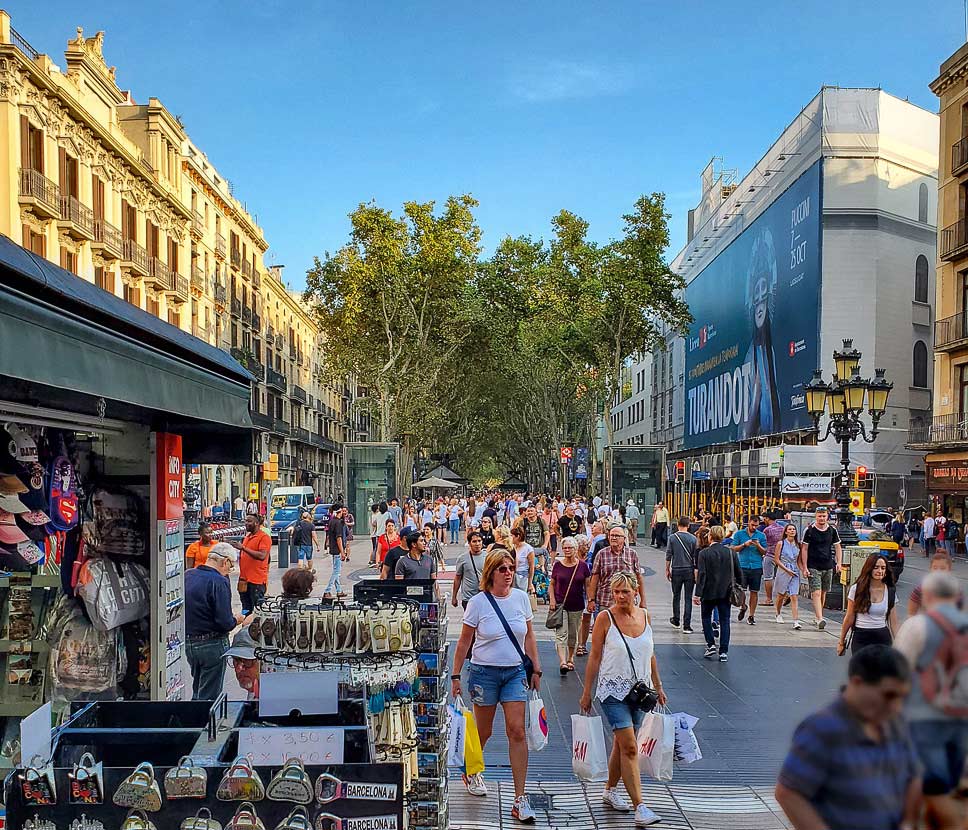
x: 860, y: 477
x: 680, y: 471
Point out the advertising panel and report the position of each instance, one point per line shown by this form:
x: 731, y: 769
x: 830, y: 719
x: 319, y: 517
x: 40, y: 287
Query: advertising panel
x: 754, y: 339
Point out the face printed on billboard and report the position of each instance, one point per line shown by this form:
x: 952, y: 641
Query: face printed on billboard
x: 756, y: 309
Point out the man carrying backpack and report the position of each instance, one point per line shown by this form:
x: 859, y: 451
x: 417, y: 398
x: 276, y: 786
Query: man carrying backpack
x: 936, y: 647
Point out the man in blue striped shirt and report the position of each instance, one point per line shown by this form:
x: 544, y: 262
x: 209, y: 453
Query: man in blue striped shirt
x: 852, y: 765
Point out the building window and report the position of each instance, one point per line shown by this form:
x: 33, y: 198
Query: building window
x: 921, y: 279
x: 132, y: 295
x: 963, y: 389
x: 34, y: 242
x: 104, y: 278
x: 174, y: 317
x: 152, y: 306
x: 68, y: 260
x: 923, y: 203
x: 920, y: 365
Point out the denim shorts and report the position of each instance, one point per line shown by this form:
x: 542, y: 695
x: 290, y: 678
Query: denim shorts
x: 941, y: 745
x: 619, y: 715
x: 305, y: 552
x: 490, y: 685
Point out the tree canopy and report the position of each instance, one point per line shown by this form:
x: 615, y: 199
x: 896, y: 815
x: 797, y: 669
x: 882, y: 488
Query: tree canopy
x: 496, y: 361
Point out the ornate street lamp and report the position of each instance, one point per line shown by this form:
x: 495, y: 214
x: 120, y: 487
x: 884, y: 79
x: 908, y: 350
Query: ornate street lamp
x: 843, y: 400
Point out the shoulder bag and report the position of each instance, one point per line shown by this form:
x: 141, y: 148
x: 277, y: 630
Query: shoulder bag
x: 556, y: 618
x: 641, y: 695
x: 526, y: 661
x: 737, y: 595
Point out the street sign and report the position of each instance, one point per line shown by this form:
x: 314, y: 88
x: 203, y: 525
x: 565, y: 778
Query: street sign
x: 566, y: 455
x: 254, y: 490
x: 857, y: 502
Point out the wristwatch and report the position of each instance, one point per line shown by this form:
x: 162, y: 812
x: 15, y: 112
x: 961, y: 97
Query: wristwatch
x: 455, y: 677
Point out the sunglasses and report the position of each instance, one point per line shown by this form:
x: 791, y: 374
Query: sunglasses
x: 504, y: 569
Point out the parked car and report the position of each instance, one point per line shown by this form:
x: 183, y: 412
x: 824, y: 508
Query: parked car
x: 878, y: 519
x: 282, y: 519
x: 321, y: 516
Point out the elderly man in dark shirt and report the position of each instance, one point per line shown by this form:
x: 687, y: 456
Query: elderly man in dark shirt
x: 209, y: 619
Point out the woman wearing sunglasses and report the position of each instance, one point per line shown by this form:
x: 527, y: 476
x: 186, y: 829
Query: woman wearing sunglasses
x: 496, y: 673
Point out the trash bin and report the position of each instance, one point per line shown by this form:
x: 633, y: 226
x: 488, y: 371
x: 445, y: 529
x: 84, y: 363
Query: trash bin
x: 283, y: 550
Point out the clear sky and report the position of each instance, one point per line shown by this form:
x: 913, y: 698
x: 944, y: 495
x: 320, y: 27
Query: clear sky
x: 311, y: 107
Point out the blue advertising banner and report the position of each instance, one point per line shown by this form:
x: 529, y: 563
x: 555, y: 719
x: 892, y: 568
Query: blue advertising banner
x: 756, y: 308
x: 581, y: 462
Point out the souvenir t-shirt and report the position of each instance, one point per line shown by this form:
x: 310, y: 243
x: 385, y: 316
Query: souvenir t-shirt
x: 569, y: 526
x: 251, y: 569
x: 491, y: 644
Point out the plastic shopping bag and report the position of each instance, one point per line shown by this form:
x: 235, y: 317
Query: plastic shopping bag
x: 458, y: 732
x: 536, y: 724
x: 589, y: 760
x: 657, y: 745
x: 687, y: 745
x: 473, y: 752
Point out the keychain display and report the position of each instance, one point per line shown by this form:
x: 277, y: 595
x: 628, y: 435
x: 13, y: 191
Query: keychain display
x: 202, y: 820
x: 37, y: 786
x: 291, y: 784
x: 138, y: 820
x: 85, y: 781
x: 186, y: 780
x: 245, y: 818
x: 139, y: 790
x: 330, y: 788
x: 241, y: 782
x: 327, y: 821
x: 82, y: 822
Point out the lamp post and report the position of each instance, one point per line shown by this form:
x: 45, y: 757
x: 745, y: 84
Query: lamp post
x: 843, y: 400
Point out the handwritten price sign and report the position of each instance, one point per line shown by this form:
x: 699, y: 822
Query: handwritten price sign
x: 311, y: 745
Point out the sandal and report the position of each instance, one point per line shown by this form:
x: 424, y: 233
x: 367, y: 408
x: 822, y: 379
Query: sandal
x: 581, y: 651
x: 571, y: 666
x: 563, y: 669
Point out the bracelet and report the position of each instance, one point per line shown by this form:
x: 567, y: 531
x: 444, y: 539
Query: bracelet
x: 539, y: 673
x: 455, y: 677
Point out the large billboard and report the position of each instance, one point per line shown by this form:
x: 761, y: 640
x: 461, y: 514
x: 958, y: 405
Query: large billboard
x: 756, y: 309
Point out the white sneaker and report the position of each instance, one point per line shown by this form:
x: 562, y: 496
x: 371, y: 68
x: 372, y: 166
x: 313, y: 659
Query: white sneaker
x: 644, y: 816
x: 475, y: 784
x: 522, y: 810
x: 779, y: 618
x: 614, y: 799
x: 821, y: 623
x: 796, y: 625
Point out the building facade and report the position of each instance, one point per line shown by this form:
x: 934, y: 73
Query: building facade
x: 944, y: 435
x: 116, y: 192
x: 830, y: 236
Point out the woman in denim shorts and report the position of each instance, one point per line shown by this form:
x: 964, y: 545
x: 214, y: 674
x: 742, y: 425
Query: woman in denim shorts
x: 496, y: 673
x: 622, y: 629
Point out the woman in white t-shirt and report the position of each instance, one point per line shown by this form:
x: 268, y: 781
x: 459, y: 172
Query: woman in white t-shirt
x: 426, y: 517
x: 497, y: 673
x: 870, y: 607
x: 524, y: 556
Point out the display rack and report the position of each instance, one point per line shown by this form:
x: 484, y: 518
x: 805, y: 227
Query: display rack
x: 167, y: 611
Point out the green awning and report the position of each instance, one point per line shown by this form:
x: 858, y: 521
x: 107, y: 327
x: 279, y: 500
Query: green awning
x: 61, y: 331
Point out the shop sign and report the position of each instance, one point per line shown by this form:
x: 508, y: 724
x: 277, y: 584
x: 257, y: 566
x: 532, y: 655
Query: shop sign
x: 581, y: 462
x: 565, y: 455
x: 168, y: 478
x: 947, y: 475
x: 796, y: 485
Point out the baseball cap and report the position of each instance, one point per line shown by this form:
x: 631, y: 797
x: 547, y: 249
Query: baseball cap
x: 10, y: 534
x: 13, y: 505
x: 225, y: 551
x: 10, y: 485
x: 243, y: 646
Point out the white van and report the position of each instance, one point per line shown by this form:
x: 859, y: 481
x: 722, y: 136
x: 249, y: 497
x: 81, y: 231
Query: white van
x: 302, y: 497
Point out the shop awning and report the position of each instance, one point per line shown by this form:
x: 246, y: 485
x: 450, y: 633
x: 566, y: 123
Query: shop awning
x: 66, y: 333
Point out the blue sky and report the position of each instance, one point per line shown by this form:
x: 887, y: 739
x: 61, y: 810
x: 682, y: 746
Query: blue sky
x: 312, y: 107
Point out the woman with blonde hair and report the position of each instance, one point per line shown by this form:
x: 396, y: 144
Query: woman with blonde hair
x: 622, y: 654
x: 499, y: 621
x: 502, y: 539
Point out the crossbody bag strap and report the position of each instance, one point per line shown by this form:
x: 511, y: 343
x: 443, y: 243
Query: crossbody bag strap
x: 504, y: 622
x: 568, y: 589
x: 626, y: 642
x: 474, y: 566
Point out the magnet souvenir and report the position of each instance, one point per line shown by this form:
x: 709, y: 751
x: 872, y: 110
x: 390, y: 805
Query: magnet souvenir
x: 291, y: 783
x: 85, y: 782
x: 37, y: 786
x: 330, y: 788
x: 202, y: 820
x: 138, y: 820
x: 241, y: 782
x: 245, y: 818
x: 298, y: 819
x: 186, y: 780
x: 139, y: 790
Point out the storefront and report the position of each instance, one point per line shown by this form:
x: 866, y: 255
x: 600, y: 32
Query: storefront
x: 101, y: 407
x: 947, y: 478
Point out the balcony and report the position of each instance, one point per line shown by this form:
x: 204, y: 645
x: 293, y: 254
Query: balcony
x: 953, y: 242
x: 299, y: 394
x: 276, y: 380
x: 160, y: 274
x: 959, y: 156
x: 256, y: 279
x: 76, y: 219
x: 236, y: 307
x: 220, y: 246
x: 220, y: 295
x: 280, y: 341
x: 18, y: 40
x: 261, y: 421
x: 270, y: 333
x: 281, y: 427
x: 135, y: 258
x: 256, y: 321
x: 198, y: 224
x: 301, y: 434
x: 257, y: 369
x: 198, y: 280
x: 40, y: 193
x: 236, y: 258
x: 246, y: 316
x: 179, y: 289
x: 951, y: 332
x: 942, y: 430
x: 107, y: 240
x: 247, y: 269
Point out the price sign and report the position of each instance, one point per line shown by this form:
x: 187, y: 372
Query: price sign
x: 311, y: 745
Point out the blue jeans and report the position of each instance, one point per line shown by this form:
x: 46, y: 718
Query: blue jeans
x: 207, y: 666
x: 333, y: 586
x: 942, y: 747
x: 454, y: 531
x: 251, y: 597
x: 723, y: 607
